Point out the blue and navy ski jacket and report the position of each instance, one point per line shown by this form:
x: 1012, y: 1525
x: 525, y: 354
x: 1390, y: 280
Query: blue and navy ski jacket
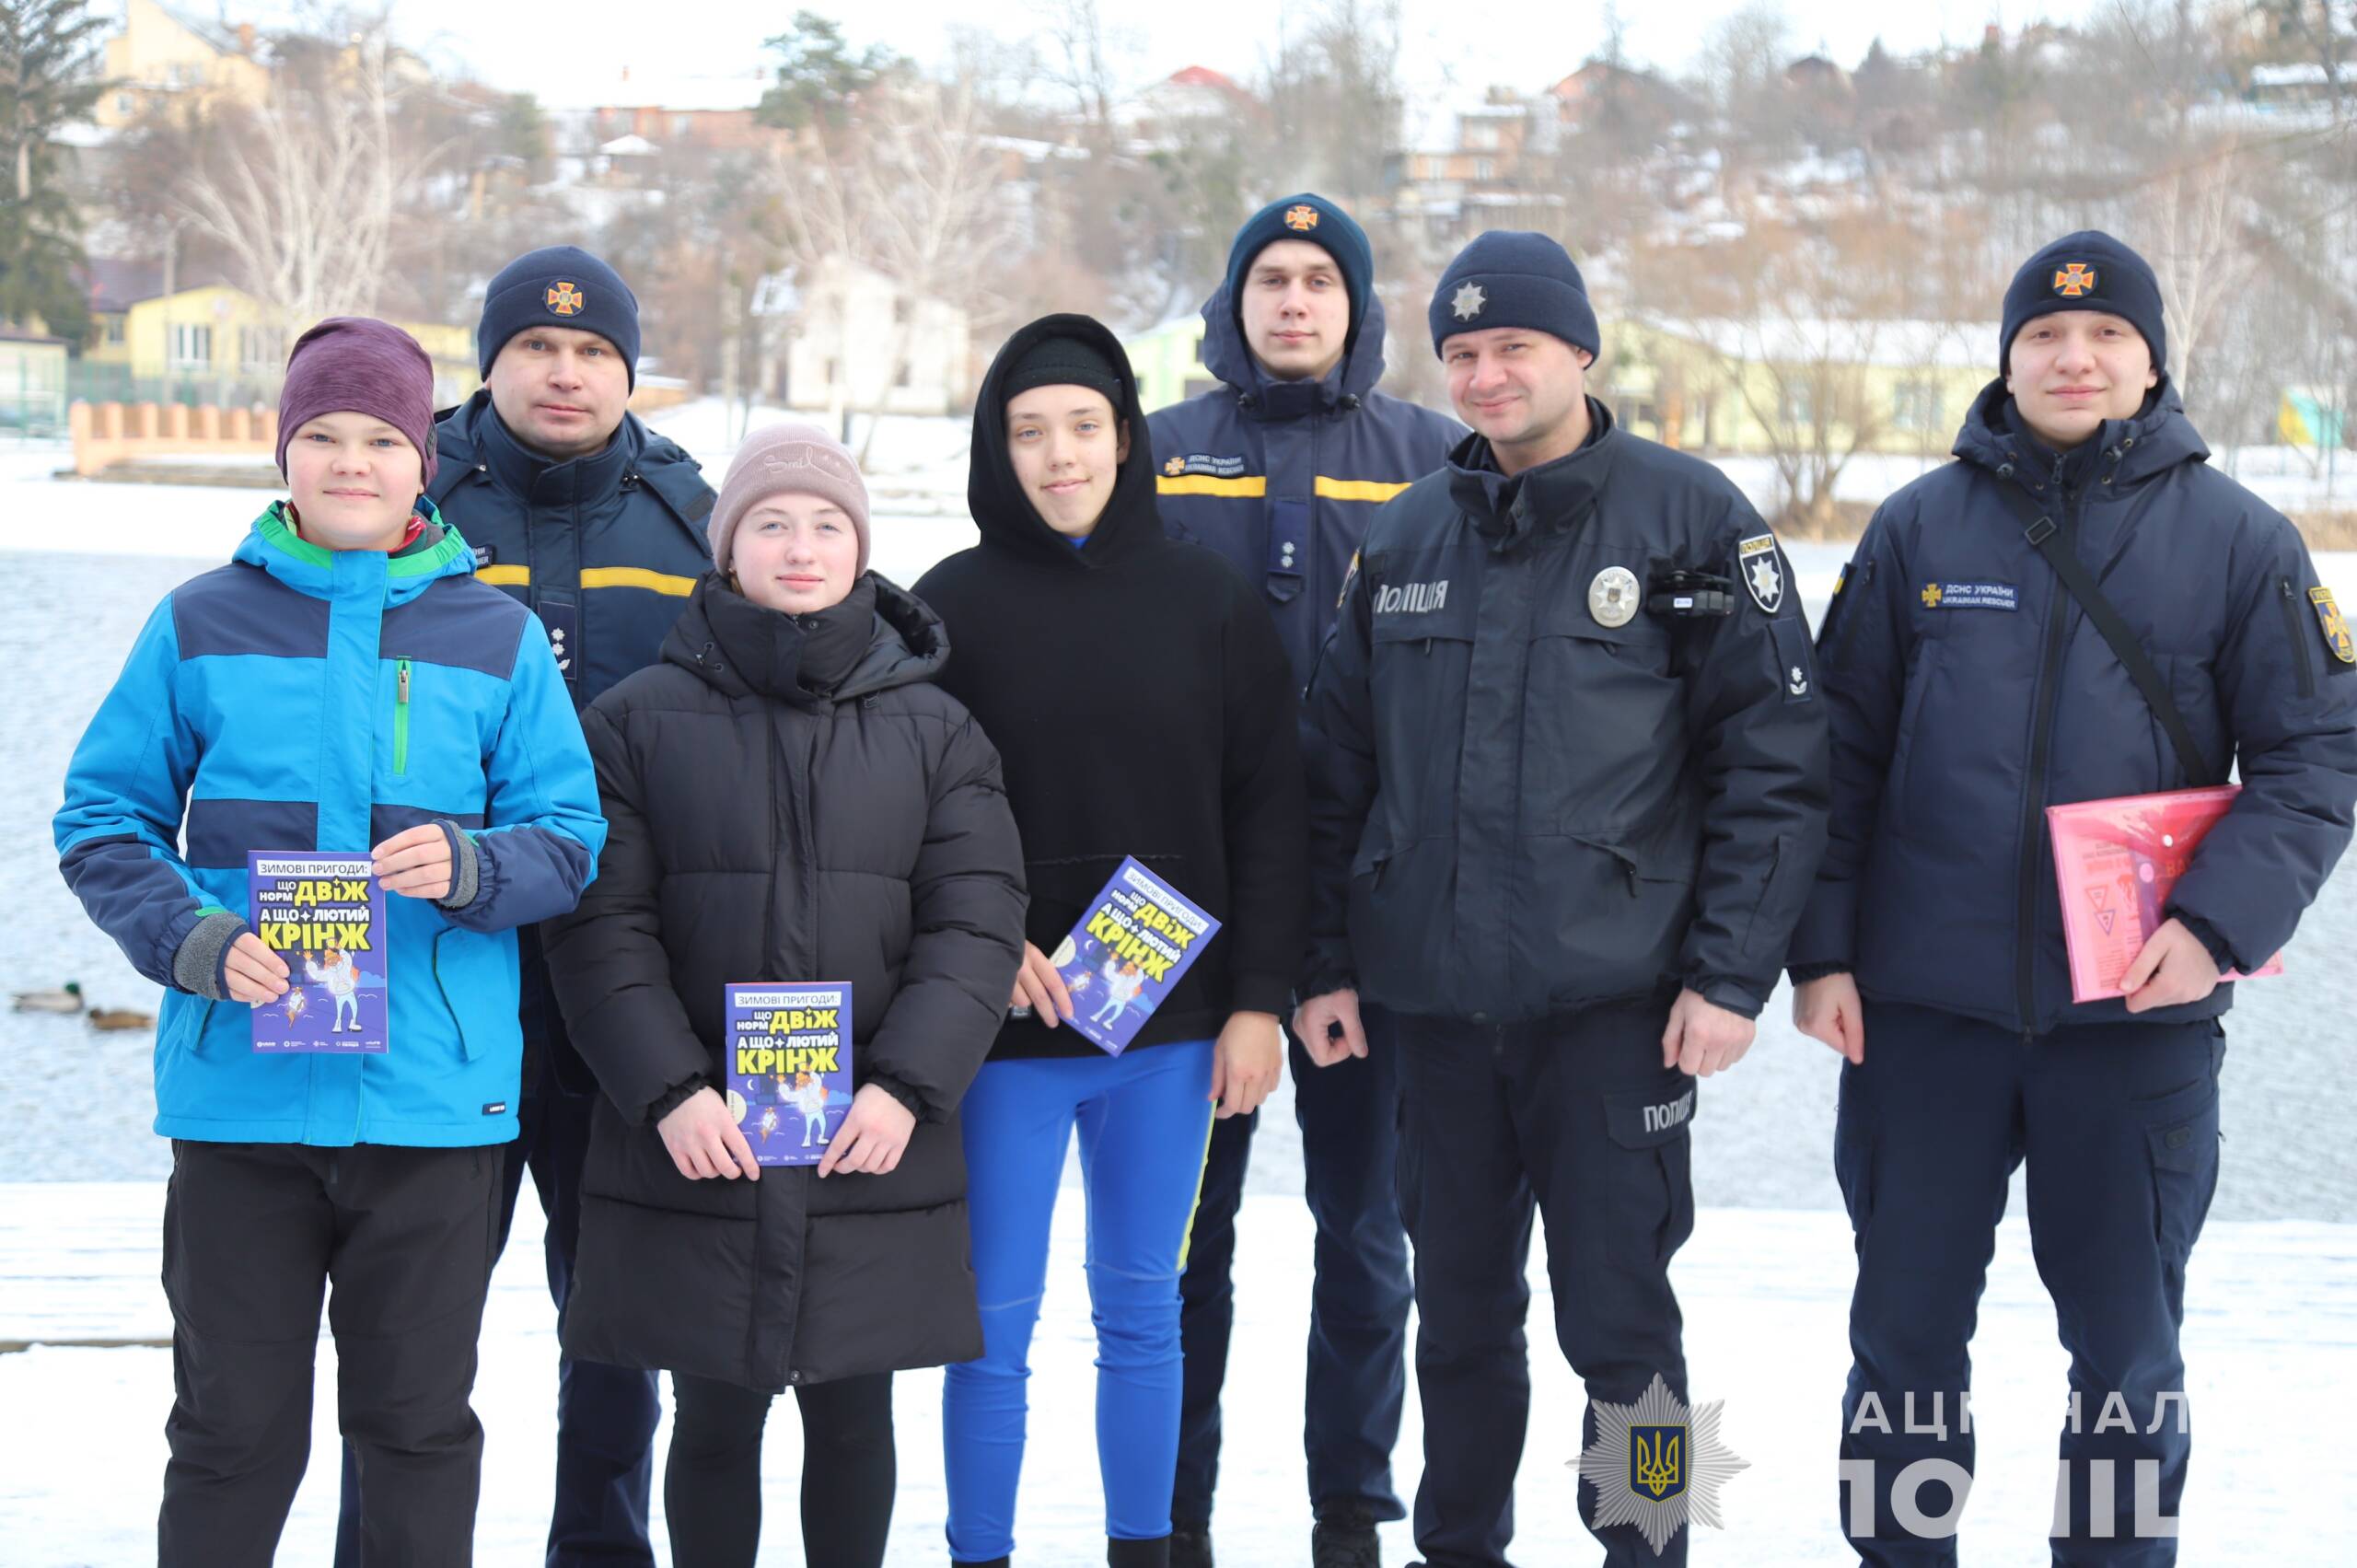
x: 1968, y: 692
x: 306, y: 700
x: 1281, y: 478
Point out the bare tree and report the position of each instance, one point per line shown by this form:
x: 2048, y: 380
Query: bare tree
x: 304, y: 192
x: 912, y: 187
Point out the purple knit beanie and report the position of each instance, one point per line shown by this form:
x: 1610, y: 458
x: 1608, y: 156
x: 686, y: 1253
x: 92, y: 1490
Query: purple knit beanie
x: 787, y: 459
x: 354, y: 365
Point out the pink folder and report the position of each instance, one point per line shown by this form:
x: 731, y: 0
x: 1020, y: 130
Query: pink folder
x: 2115, y: 861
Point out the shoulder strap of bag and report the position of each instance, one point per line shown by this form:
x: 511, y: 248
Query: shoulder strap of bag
x: 2045, y: 538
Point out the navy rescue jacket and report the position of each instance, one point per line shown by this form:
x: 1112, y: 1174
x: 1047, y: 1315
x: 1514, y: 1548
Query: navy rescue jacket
x: 1968, y: 692
x: 603, y: 549
x: 1530, y: 793
x: 1282, y: 477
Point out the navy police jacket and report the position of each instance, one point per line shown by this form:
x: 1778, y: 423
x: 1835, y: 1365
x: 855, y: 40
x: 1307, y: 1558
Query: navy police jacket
x: 1530, y: 792
x: 1282, y: 477
x: 1968, y: 692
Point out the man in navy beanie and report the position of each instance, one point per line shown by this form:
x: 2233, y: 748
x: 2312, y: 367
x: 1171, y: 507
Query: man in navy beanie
x: 1973, y: 687
x: 1567, y: 785
x: 1278, y: 468
x: 577, y: 508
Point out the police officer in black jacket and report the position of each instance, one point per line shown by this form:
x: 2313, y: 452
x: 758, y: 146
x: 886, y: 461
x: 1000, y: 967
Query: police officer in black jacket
x: 1568, y: 794
x: 1968, y: 689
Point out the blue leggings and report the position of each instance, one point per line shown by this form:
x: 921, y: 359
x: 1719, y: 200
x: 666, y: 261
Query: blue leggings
x: 1145, y: 1118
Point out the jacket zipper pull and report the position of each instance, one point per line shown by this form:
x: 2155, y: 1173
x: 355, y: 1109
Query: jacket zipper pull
x: 400, y: 717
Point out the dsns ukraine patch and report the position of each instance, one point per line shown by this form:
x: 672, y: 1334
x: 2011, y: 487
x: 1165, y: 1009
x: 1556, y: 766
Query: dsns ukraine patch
x: 2334, y: 626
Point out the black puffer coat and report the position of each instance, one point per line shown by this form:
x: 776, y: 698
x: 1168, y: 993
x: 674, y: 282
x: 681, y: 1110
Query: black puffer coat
x: 763, y: 833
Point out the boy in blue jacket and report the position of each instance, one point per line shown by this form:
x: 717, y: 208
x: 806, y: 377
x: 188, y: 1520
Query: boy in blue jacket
x: 345, y: 685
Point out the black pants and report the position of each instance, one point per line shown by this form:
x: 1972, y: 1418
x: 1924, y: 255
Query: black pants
x: 1498, y: 1120
x: 2118, y: 1123
x: 1357, y: 1377
x: 606, y: 1416
x: 253, y: 1233
x: 711, y: 1482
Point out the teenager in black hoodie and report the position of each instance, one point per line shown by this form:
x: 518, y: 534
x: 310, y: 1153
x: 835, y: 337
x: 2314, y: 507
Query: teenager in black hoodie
x: 1142, y: 703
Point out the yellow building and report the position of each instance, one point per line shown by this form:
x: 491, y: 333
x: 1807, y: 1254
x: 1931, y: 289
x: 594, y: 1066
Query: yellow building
x: 1168, y: 360
x: 1780, y: 383
x: 165, y: 54
x: 215, y: 344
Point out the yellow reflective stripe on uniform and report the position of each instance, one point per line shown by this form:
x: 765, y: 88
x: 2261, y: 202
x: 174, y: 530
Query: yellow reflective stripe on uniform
x: 1209, y: 484
x: 1358, y: 489
x: 506, y: 576
x: 636, y: 578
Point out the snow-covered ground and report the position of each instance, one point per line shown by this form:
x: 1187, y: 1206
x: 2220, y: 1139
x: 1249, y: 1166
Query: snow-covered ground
x: 2270, y: 1342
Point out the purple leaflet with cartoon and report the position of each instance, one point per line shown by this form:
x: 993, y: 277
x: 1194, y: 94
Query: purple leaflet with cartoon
x: 789, y: 1068
x: 324, y: 914
x: 1137, y: 938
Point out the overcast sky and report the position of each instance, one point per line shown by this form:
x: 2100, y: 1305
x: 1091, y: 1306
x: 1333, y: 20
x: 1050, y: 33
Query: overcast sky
x: 571, y: 52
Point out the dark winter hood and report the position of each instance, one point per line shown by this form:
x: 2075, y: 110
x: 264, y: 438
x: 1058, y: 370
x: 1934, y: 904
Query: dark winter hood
x: 1002, y: 509
x: 1548, y: 498
x: 1227, y: 357
x: 2158, y: 438
x: 877, y: 638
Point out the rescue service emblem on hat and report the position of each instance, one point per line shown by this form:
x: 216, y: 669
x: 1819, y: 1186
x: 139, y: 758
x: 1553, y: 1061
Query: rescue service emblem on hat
x: 1301, y: 215
x: 565, y: 299
x: 1469, y: 301
x: 2073, y: 279
x: 1612, y: 596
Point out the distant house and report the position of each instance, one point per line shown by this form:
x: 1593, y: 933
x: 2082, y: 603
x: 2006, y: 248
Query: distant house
x: 715, y: 113
x: 842, y: 327
x: 1492, y: 176
x: 167, y: 53
x: 205, y: 341
x: 1159, y: 116
x: 1753, y: 387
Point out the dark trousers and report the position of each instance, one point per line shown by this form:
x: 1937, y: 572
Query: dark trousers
x: 606, y: 1416
x: 1551, y: 1115
x: 254, y: 1236
x: 1358, y: 1310
x: 2118, y: 1123
x: 712, y: 1480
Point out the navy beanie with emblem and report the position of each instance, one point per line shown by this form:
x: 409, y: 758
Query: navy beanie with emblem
x: 1319, y: 222
x: 2086, y: 270
x: 559, y: 286
x: 1513, y: 278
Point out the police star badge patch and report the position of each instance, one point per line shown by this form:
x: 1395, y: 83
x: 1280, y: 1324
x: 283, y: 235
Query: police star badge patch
x: 1763, y: 575
x: 1469, y: 301
x: 1657, y: 1465
x: 565, y: 299
x: 2336, y: 626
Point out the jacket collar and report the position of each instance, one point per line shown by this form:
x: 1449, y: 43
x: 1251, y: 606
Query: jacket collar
x: 1261, y: 396
x: 273, y: 545
x: 2122, y: 452
x: 1552, y: 498
x: 742, y: 649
